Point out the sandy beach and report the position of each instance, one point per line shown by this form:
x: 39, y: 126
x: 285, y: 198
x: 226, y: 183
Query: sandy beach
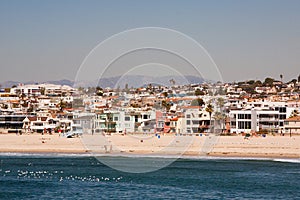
x: 37, y: 143
x: 151, y: 145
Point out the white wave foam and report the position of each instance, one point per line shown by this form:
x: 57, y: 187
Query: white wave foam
x: 201, y: 157
x: 287, y: 160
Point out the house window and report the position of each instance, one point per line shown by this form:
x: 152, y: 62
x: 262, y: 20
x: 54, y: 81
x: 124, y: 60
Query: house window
x: 116, y: 119
x: 196, y: 122
x: 248, y: 125
x: 282, y: 117
x: 188, y: 122
x: 282, y: 110
x: 280, y: 123
x: 244, y: 125
x: 241, y: 116
x: 247, y: 116
x: 188, y: 116
x: 127, y: 118
x: 102, y: 117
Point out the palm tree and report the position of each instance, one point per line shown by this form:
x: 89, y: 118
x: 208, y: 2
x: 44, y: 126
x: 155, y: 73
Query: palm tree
x: 172, y: 81
x: 42, y: 90
x: 220, y: 103
x: 281, y: 77
x: 197, y: 102
x: 220, y: 117
x: 209, y: 108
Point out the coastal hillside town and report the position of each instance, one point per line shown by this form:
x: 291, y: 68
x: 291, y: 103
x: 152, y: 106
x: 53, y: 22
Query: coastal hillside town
x: 250, y: 107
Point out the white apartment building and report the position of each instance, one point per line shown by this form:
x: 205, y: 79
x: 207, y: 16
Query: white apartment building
x: 259, y: 117
x: 122, y: 121
x: 47, y: 89
x: 28, y: 90
x: 196, y: 121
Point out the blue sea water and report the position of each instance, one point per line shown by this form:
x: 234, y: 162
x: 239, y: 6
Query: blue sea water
x: 83, y: 177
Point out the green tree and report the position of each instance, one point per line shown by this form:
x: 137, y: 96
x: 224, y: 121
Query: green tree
x: 165, y: 94
x: 294, y: 81
x: 62, y: 105
x: 99, y: 91
x: 221, y: 91
x: 258, y: 83
x: 149, y: 87
x: 197, y: 102
x: 78, y: 102
x: 220, y: 102
x: 220, y: 117
x: 166, y: 105
x: 269, y: 82
x: 91, y: 90
x: 198, y: 92
x: 42, y: 89
x: 172, y: 81
x: 295, y: 113
x: 251, y: 82
x: 98, y: 88
x: 126, y: 89
x: 4, y: 106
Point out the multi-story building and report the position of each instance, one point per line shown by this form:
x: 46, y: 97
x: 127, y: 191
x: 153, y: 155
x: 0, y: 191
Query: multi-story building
x: 11, y: 120
x: 28, y: 90
x: 196, y: 120
x: 128, y: 121
x: 261, y: 116
x: 292, y: 125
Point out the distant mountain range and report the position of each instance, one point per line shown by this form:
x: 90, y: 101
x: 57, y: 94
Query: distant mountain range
x: 138, y: 81
x: 8, y: 84
x: 118, y: 81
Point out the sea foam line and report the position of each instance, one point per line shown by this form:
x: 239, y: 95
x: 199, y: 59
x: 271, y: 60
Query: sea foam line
x: 175, y: 157
x: 287, y: 160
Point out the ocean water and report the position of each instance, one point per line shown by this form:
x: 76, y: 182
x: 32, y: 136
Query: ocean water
x: 81, y: 177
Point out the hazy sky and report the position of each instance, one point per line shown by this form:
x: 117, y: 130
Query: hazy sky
x: 49, y: 39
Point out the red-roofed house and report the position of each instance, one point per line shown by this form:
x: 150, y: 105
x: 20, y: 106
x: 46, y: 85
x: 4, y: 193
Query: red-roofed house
x: 40, y: 124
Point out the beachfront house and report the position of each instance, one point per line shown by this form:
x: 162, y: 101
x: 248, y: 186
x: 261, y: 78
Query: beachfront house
x: 11, y: 120
x: 40, y: 124
x: 121, y: 121
x: 83, y: 124
x: 292, y: 125
x: 196, y: 120
x: 259, y: 117
x: 104, y: 122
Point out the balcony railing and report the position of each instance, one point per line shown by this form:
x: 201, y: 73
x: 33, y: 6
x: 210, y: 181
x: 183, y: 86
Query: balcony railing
x: 268, y: 119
